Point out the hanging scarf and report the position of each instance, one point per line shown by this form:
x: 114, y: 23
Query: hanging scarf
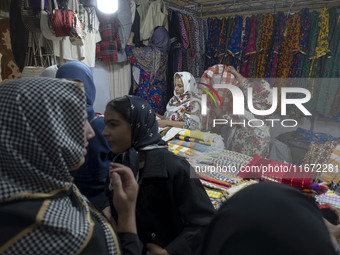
x: 144, y: 132
x: 42, y: 137
x: 153, y: 58
x: 183, y: 106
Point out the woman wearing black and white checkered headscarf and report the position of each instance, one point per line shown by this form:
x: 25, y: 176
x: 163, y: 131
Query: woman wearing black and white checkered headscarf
x: 42, y: 139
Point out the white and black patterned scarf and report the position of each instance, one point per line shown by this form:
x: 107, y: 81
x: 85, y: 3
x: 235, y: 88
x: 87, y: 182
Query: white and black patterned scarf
x: 41, y: 138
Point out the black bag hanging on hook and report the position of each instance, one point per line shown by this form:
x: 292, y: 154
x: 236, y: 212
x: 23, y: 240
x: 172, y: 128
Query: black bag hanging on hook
x: 89, y: 3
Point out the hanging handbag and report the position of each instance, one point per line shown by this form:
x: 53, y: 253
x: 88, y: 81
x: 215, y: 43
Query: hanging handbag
x: 77, y: 33
x: 45, y: 23
x: 61, y: 21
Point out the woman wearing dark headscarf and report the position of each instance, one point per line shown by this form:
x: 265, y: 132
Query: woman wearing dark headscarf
x: 91, y: 177
x: 43, y: 135
x: 172, y: 206
x: 151, y: 61
x: 267, y: 219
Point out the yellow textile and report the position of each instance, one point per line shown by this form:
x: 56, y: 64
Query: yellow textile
x: 213, y: 193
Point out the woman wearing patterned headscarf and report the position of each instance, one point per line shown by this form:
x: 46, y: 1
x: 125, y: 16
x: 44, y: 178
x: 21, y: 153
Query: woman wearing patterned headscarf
x: 184, y: 107
x: 172, y: 206
x: 151, y: 61
x: 44, y: 132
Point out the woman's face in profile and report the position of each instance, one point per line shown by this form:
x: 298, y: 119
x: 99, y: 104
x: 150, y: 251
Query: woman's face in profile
x: 179, y: 87
x: 117, y: 131
x: 88, y: 134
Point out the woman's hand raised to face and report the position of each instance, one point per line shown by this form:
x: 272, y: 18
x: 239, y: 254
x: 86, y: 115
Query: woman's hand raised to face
x: 125, y: 196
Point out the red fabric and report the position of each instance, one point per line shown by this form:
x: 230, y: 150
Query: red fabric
x: 292, y: 175
x: 61, y: 22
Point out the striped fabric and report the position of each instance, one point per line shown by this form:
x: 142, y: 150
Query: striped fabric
x: 212, y: 193
x: 208, y: 138
x: 330, y: 197
x: 192, y: 145
x: 181, y: 151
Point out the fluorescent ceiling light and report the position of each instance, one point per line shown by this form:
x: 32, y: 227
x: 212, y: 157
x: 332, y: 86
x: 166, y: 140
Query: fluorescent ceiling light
x: 107, y: 6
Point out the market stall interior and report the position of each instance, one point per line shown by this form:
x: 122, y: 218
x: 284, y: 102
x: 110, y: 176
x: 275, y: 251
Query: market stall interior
x: 251, y: 89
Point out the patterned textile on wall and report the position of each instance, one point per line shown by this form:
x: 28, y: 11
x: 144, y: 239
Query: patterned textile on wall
x: 332, y: 167
x: 9, y: 69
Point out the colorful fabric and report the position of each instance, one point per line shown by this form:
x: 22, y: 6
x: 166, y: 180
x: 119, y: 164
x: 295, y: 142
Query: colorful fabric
x: 192, y: 145
x: 152, y: 90
x: 225, y: 157
x: 295, y: 69
x: 332, y: 167
x: 329, y: 198
x: 259, y: 21
x: 9, y: 69
x: 290, y: 46
x: 329, y: 87
x: 250, y: 49
x: 185, y: 107
x: 265, y: 44
x: 181, y: 150
x: 212, y: 185
x: 319, y: 154
x: 212, y: 138
x: 274, y: 171
x: 213, y: 193
x: 245, y: 43
x: 251, y: 140
x: 190, y: 139
x: 273, y: 62
x: 234, y: 46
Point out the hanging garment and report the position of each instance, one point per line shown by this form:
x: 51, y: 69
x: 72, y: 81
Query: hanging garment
x: 316, y: 56
x: 244, y: 43
x: 152, y: 60
x: 234, y: 46
x: 330, y: 86
x: 265, y: 44
x: 115, y: 31
x: 154, y: 17
x: 185, y: 42
x: 259, y: 21
x: 119, y: 75
x: 296, y: 70
x: 272, y: 64
x: 250, y: 49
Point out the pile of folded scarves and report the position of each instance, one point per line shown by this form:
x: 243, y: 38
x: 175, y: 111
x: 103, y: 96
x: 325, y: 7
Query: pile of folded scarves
x: 224, y: 172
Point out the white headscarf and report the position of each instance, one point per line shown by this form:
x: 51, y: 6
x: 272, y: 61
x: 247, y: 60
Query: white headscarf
x: 187, y: 105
